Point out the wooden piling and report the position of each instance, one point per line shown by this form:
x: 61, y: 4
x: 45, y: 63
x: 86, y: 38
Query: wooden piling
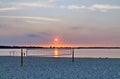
x: 22, y: 61
x: 26, y: 52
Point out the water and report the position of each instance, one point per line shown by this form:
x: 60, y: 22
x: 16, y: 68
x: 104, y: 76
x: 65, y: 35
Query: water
x: 92, y: 53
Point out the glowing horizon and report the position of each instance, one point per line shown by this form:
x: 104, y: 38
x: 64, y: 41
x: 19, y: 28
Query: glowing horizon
x: 60, y: 23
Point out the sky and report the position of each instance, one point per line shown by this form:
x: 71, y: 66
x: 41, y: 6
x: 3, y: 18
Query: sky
x: 72, y: 22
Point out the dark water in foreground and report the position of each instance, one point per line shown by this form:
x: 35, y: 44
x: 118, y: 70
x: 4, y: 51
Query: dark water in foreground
x: 59, y: 68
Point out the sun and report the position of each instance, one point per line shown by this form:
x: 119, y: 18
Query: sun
x: 56, y: 39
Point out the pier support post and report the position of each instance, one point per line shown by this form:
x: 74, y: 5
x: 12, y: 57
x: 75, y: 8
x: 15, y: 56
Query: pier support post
x: 26, y: 52
x: 73, y: 55
x: 22, y: 61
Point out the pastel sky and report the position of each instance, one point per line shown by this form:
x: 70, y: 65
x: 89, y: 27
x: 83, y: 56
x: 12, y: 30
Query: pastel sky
x: 73, y: 22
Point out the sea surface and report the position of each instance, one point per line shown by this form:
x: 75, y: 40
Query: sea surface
x: 48, y: 64
x: 78, y: 53
x: 59, y: 68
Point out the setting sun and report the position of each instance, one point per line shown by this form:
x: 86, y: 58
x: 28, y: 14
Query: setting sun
x: 56, y: 39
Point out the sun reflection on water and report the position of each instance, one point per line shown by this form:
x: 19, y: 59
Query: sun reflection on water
x: 56, y: 53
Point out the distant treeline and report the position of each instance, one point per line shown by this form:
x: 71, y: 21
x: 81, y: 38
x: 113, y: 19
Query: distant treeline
x: 34, y: 47
x: 98, y: 47
x: 18, y: 47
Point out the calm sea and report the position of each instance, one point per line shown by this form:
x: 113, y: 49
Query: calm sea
x: 94, y: 53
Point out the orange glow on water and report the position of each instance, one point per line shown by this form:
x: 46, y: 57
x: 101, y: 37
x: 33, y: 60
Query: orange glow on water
x: 56, y: 53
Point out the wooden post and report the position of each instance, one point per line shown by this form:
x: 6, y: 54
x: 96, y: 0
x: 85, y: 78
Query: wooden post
x: 26, y: 52
x: 22, y: 61
x: 73, y: 55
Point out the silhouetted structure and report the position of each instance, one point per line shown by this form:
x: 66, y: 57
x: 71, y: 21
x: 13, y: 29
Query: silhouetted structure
x: 22, y: 54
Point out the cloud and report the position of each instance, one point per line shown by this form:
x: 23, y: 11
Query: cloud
x: 27, y: 18
x: 76, y: 28
x: 37, y: 22
x: 38, y: 4
x: 76, y: 7
x: 50, y: 4
x: 101, y: 7
x: 32, y: 35
x: 62, y: 7
x: 45, y: 33
x: 20, y: 5
x: 7, y: 9
x: 51, y: 1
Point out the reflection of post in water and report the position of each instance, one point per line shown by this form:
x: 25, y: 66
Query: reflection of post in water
x: 56, y: 52
x: 73, y: 55
x: 22, y: 54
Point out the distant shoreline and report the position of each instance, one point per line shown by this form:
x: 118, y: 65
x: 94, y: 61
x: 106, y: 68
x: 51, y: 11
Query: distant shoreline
x: 63, y: 57
x: 34, y: 47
